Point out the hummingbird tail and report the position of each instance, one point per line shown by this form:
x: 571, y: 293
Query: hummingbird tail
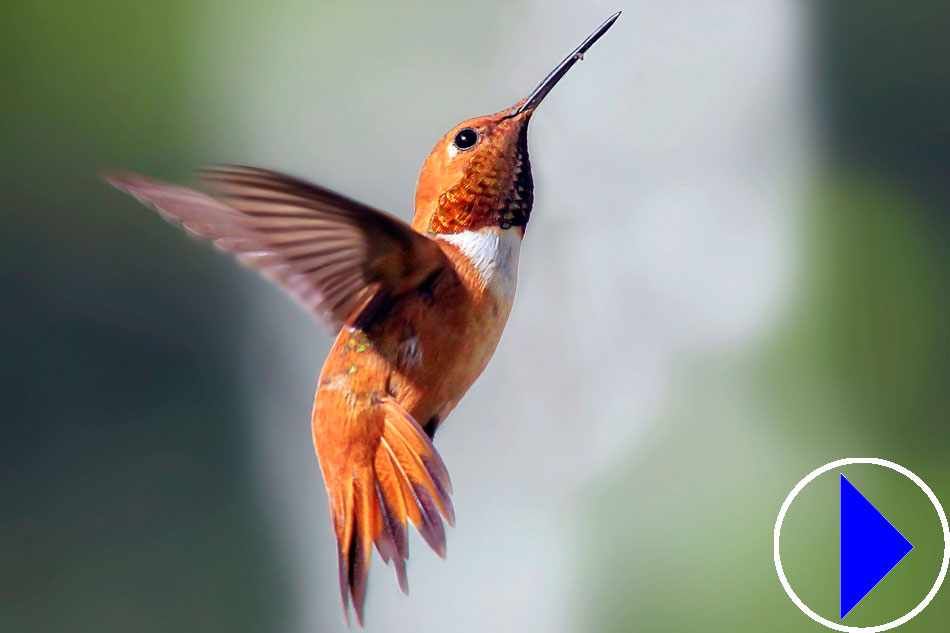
x: 405, y: 481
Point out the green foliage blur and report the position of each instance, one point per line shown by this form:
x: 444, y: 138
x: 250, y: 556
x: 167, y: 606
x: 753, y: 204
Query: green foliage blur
x: 127, y: 504
x: 860, y: 367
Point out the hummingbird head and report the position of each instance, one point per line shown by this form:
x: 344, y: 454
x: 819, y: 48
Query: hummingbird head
x: 478, y: 175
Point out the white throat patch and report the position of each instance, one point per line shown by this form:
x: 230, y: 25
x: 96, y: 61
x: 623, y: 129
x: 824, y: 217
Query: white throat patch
x: 494, y: 255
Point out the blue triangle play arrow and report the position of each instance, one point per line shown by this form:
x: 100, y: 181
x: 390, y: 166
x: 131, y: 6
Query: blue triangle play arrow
x: 870, y: 547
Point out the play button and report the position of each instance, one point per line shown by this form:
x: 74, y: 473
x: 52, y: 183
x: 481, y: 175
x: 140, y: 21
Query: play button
x: 870, y: 547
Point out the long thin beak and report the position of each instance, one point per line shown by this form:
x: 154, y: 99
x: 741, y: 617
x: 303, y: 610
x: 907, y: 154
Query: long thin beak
x: 545, y: 86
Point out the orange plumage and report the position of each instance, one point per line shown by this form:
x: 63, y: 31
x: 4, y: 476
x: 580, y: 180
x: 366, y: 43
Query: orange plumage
x: 419, y: 309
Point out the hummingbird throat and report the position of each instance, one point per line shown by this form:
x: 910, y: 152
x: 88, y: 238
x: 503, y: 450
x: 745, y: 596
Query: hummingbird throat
x: 496, y: 190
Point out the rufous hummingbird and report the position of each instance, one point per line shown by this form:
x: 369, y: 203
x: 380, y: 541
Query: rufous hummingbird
x: 419, y: 310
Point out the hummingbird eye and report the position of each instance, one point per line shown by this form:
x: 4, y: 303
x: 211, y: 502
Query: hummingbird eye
x: 466, y: 138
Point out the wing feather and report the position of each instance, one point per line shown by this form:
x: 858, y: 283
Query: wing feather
x: 333, y: 254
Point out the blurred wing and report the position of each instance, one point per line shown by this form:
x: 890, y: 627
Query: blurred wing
x: 339, y: 258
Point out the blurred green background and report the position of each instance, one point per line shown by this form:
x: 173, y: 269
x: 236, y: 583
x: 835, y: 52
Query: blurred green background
x: 134, y: 495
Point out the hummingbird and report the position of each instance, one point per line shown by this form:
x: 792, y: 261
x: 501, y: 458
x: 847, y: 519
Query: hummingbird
x: 419, y: 310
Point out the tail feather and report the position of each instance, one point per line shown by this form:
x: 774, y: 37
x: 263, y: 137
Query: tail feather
x: 405, y: 481
x: 392, y: 543
x: 355, y: 528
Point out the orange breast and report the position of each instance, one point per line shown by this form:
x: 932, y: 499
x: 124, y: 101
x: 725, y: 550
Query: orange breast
x: 426, y: 352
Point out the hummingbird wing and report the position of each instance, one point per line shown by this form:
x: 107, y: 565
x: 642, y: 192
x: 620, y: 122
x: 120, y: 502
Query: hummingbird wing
x: 339, y: 258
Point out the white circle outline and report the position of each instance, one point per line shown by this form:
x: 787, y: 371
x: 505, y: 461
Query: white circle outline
x: 847, y: 462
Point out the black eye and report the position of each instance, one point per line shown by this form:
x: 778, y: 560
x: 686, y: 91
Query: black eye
x: 466, y: 138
